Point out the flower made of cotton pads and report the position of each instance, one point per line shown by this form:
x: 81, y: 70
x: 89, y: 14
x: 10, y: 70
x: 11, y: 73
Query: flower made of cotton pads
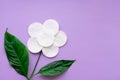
x: 46, y: 37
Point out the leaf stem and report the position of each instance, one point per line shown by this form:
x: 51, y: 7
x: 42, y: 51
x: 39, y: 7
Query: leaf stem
x: 35, y: 66
x: 27, y: 78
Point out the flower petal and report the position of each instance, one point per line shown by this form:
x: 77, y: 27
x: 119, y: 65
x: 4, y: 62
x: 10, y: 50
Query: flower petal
x: 60, y: 39
x: 33, y: 45
x: 35, y: 29
x: 51, y: 51
x: 51, y: 26
x: 45, y: 39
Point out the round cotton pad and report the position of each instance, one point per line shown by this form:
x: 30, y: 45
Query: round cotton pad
x: 60, y: 39
x: 51, y: 51
x: 33, y: 46
x: 52, y: 27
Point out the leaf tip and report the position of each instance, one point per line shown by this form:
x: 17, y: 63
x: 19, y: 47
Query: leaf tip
x: 74, y: 60
x: 6, y: 29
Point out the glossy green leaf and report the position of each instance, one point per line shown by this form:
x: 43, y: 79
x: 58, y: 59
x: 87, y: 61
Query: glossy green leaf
x: 17, y: 54
x: 56, y: 68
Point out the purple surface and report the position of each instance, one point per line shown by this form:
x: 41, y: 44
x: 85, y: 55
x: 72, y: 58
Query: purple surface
x: 92, y: 26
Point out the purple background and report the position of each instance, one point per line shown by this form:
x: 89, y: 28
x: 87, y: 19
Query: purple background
x: 92, y: 26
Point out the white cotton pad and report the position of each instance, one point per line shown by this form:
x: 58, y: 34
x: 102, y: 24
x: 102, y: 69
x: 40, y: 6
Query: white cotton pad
x: 35, y: 29
x: 45, y: 40
x: 51, y: 51
x: 51, y: 26
x: 33, y: 45
x: 60, y: 39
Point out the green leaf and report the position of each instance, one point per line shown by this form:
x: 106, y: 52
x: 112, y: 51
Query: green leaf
x: 17, y: 54
x: 56, y: 68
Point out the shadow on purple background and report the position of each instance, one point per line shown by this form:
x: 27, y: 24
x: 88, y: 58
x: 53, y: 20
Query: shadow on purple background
x: 92, y: 27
